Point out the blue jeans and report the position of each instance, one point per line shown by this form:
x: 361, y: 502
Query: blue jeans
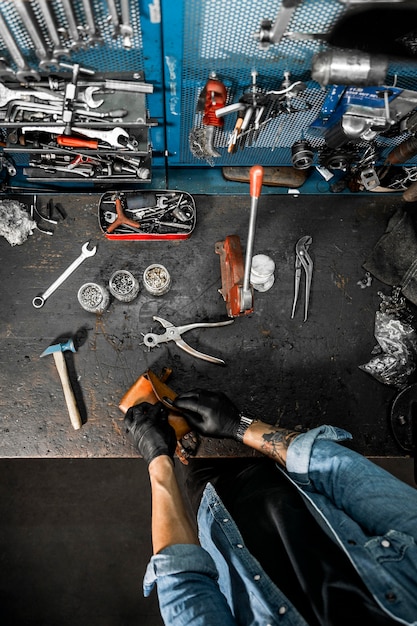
x: 368, y: 512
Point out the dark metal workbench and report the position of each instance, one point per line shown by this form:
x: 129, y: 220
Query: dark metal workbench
x: 282, y: 370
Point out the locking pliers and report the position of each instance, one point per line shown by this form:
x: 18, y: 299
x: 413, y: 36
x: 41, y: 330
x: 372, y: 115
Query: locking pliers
x: 173, y: 333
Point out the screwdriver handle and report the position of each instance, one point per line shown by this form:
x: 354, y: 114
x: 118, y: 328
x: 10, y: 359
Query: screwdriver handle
x: 74, y: 142
x: 256, y: 175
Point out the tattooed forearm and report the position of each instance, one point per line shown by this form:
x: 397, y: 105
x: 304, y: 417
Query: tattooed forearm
x: 275, y: 443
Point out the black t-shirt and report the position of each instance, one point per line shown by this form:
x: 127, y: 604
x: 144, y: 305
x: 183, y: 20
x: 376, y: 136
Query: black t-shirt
x: 281, y: 533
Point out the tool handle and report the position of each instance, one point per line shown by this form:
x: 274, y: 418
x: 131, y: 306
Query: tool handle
x: 256, y: 176
x: 74, y: 142
x: 403, y: 151
x: 70, y: 400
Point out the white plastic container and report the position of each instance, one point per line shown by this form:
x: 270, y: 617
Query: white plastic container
x: 262, y: 272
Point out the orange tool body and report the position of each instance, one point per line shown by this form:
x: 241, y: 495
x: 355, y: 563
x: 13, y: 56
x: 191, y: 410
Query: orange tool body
x: 236, y: 289
x: 121, y: 219
x: 214, y: 94
x: 76, y: 142
x: 152, y: 388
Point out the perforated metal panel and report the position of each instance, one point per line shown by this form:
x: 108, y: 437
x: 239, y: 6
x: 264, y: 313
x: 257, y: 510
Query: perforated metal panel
x: 218, y: 37
x: 109, y: 55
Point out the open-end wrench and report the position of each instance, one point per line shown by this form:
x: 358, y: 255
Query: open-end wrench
x: 51, y: 24
x: 39, y: 301
x: 24, y: 72
x: 7, y: 95
x: 87, y: 97
x: 108, y: 136
x: 28, y: 19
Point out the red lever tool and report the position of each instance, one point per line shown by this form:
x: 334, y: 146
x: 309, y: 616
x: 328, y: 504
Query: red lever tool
x: 236, y: 289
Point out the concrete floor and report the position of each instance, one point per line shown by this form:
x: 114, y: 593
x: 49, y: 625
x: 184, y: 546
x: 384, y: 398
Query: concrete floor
x: 75, y: 541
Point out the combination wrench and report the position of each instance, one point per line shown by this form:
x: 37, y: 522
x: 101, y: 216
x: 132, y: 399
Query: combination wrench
x: 112, y: 137
x: 24, y: 72
x: 39, y: 301
x: 52, y: 27
x: 41, y: 47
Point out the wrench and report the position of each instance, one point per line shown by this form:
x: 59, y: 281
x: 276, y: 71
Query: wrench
x: 74, y: 32
x: 24, y: 72
x: 113, y: 17
x: 7, y: 95
x: 91, y: 29
x: 39, y: 301
x: 87, y: 97
x: 52, y: 26
x: 126, y: 29
x: 109, y: 136
x: 41, y: 47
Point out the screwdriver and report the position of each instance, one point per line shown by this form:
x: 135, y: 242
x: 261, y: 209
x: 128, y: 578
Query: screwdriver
x: 75, y: 142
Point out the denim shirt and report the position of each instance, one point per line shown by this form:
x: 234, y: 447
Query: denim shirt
x: 367, y: 511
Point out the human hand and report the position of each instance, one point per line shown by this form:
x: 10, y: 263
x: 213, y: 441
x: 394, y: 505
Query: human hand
x: 211, y: 413
x: 148, y: 427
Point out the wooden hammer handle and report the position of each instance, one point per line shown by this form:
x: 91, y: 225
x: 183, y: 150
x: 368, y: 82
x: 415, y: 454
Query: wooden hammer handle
x: 70, y: 400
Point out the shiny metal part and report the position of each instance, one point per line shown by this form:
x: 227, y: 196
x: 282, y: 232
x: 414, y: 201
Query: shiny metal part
x: 27, y: 16
x: 173, y: 333
x: 39, y: 301
x: 302, y: 262
x: 24, y: 72
x: 58, y: 49
x: 271, y: 33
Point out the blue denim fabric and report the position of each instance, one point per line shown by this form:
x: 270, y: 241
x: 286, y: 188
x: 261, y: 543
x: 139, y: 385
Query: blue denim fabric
x: 371, y: 514
x: 368, y: 512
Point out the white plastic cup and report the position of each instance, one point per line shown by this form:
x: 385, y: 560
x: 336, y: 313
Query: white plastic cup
x: 262, y: 272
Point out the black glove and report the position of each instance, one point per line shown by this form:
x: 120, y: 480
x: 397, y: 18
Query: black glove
x: 211, y: 413
x: 148, y: 427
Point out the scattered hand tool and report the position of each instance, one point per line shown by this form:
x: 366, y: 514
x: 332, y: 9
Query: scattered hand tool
x: 236, y: 289
x: 404, y: 422
x: 173, y: 333
x: 39, y: 301
x: 302, y: 261
x: 57, y: 351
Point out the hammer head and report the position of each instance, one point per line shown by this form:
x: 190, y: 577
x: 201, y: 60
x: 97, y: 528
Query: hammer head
x: 60, y: 347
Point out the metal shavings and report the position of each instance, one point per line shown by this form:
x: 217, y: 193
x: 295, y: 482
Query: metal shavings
x: 15, y: 223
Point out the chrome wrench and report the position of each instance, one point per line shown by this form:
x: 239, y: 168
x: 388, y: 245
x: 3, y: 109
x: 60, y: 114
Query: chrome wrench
x: 126, y: 29
x: 39, y: 301
x: 28, y: 19
x: 109, y: 136
x: 52, y: 26
x: 24, y: 72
